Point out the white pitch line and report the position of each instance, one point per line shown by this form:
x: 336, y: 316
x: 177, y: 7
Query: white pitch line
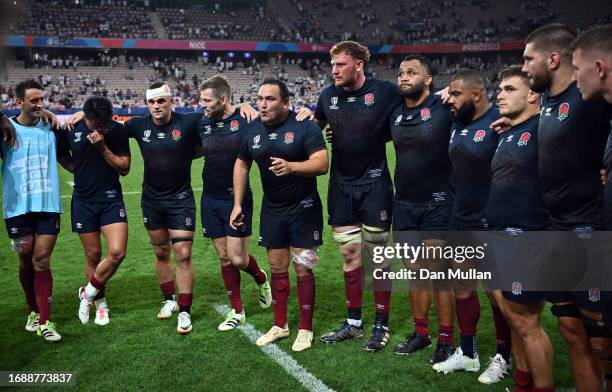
x: 124, y: 193
x: 285, y: 360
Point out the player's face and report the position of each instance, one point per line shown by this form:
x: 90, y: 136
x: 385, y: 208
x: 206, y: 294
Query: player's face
x: 512, y: 97
x: 33, y: 103
x: 96, y: 125
x: 412, y: 78
x: 534, y: 65
x: 160, y: 108
x: 461, y: 102
x: 213, y: 107
x: 585, y: 73
x: 346, y: 70
x: 272, y: 109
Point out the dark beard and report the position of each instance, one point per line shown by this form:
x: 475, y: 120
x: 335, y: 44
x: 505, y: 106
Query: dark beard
x: 541, y: 84
x: 465, y: 113
x: 413, y: 93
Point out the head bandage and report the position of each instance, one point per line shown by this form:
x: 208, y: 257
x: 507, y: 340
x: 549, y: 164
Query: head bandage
x: 160, y: 92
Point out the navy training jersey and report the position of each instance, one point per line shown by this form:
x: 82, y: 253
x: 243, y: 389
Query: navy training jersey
x: 167, y: 152
x: 94, y: 179
x: 470, y: 150
x: 221, y: 141
x: 515, y: 198
x: 420, y: 137
x: 572, y: 135
x: 360, y: 124
x: 293, y: 141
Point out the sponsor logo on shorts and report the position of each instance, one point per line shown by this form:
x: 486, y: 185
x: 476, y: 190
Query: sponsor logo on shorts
x: 111, y: 194
x: 398, y: 120
x: 383, y: 215
x: 79, y: 225
x: 122, y: 213
x: 176, y: 135
x: 147, y: 135
x: 203, y: 230
x: 479, y: 135
x: 77, y: 137
x: 145, y: 219
x: 425, y: 114
x: 334, y: 103
x: 234, y: 125
x: 14, y: 230
x: 256, y: 144
x: 517, y: 288
x: 289, y: 136
x: 188, y: 222
x: 524, y: 139
x: 439, y: 196
x: 373, y: 173
x: 564, y: 109
x: 316, y: 235
x: 368, y: 99
x: 594, y: 294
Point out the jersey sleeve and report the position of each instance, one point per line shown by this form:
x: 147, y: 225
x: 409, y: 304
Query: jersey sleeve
x: 244, y: 153
x: 313, y: 140
x: 319, y: 112
x: 130, y: 126
x: 119, y: 142
x: 62, y: 147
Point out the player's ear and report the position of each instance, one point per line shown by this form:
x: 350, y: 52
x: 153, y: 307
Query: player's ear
x: 428, y: 80
x: 554, y: 60
x: 602, y: 69
x: 533, y: 97
x: 476, y: 95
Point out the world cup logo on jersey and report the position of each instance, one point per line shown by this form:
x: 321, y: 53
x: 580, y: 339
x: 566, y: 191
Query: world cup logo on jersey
x: 425, y: 114
x: 289, y: 136
x: 479, y: 135
x: 368, y: 99
x: 563, y: 111
x: 256, y: 141
x: 334, y: 103
x: 525, y: 136
x: 234, y: 125
x: 594, y: 294
x: 176, y: 135
x: 517, y: 288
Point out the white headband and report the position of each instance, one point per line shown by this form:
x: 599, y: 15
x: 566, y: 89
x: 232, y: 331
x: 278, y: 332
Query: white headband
x: 163, y: 91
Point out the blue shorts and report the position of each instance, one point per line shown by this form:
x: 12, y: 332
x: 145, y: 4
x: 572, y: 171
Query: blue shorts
x: 216, y: 213
x: 368, y: 204
x: 89, y: 216
x: 169, y: 214
x: 408, y: 216
x: 45, y: 223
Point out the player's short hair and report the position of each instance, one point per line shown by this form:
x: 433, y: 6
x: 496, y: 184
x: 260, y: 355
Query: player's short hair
x: 218, y: 84
x: 98, y: 109
x: 352, y: 48
x: 513, y: 71
x: 156, y: 85
x: 597, y: 39
x: 554, y: 37
x: 421, y: 59
x: 20, y: 89
x: 472, y: 78
x: 282, y: 87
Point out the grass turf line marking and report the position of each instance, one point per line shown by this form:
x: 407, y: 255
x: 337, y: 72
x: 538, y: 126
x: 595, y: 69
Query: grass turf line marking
x: 124, y: 193
x: 285, y: 360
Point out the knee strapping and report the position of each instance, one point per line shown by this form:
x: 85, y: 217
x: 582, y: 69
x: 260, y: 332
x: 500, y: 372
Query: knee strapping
x: 348, y: 237
x: 375, y: 235
x: 176, y: 240
x: 309, y: 258
x: 22, y: 245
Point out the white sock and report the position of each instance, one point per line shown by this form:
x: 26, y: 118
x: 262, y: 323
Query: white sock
x: 90, y: 292
x: 356, y: 323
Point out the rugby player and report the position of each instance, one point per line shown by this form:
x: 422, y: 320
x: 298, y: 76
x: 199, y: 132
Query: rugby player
x: 572, y: 191
x: 515, y: 206
x: 471, y: 149
x: 360, y: 194
x: 101, y: 152
x: 420, y: 130
x: 221, y: 131
x: 31, y: 201
x: 289, y: 154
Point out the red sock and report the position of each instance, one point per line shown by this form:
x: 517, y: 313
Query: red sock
x: 353, y: 287
x: 43, y: 284
x: 97, y: 283
x: 306, y: 300
x: 168, y: 289
x: 522, y: 381
x: 502, y: 333
x: 254, y: 270
x: 101, y: 294
x: 185, y: 300
x: 26, y: 277
x: 421, y: 326
x: 382, y: 294
x: 468, y: 314
x: 280, y: 296
x: 231, y: 281
x: 446, y: 333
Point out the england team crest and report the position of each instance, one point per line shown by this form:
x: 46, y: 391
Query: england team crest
x: 234, y: 125
x: 289, y: 136
x: 368, y: 99
x: 425, y: 114
x: 563, y: 111
x: 524, y: 139
x: 479, y: 135
x: 176, y: 135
